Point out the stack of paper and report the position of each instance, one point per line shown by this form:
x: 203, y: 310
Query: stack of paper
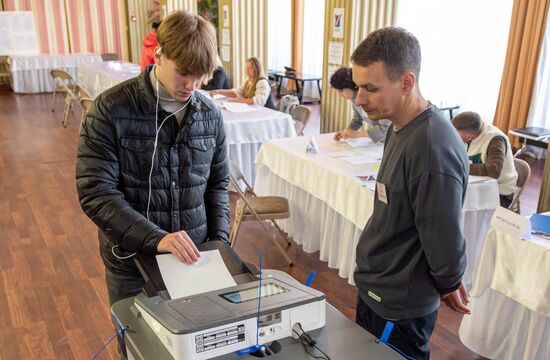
x: 358, y: 142
x: 237, y: 107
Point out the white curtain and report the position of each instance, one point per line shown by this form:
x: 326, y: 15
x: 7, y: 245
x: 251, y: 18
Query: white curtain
x: 539, y: 112
x: 314, y: 31
x: 279, y: 39
x: 463, y: 50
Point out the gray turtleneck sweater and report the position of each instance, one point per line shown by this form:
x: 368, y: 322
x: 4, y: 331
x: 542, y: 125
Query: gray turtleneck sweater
x: 166, y: 101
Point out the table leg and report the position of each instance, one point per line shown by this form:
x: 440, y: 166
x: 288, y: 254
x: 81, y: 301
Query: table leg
x: 319, y: 87
x: 298, y: 90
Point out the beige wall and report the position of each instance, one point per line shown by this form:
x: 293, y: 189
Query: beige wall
x: 173, y: 5
x: 138, y: 29
x: 360, y: 18
x: 248, y: 35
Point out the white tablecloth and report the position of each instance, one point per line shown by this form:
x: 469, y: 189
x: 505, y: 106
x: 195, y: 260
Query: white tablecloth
x: 329, y: 208
x: 31, y: 73
x: 247, y: 131
x: 510, y: 300
x: 97, y: 77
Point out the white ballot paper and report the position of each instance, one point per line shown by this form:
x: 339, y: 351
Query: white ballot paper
x: 219, y: 97
x: 358, y: 142
x: 237, y: 107
x: 207, y: 274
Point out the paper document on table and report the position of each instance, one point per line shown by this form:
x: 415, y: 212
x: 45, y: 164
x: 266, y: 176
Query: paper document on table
x: 359, y: 159
x: 358, y: 142
x: 340, y: 154
x: 209, y: 273
x: 472, y: 179
x: 219, y: 97
x: 237, y: 107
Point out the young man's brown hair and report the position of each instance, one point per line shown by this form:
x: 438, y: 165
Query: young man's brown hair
x: 189, y: 41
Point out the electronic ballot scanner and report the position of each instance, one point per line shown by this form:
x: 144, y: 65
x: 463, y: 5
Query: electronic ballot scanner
x: 260, y: 306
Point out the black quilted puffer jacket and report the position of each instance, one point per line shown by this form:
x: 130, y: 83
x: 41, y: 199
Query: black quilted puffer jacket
x: 189, y: 182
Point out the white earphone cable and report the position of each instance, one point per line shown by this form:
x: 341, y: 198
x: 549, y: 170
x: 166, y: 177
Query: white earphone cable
x: 157, y: 131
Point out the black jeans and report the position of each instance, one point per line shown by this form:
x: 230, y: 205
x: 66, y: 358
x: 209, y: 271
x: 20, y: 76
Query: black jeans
x: 410, y: 336
x: 120, y: 287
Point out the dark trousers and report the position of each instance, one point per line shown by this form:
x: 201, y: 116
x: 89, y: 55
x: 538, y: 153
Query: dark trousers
x: 410, y: 336
x: 120, y: 287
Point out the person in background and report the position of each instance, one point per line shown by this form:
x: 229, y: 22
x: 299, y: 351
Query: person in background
x: 218, y: 80
x: 150, y: 44
x: 411, y: 254
x: 151, y: 167
x: 490, y: 153
x: 343, y: 83
x: 255, y: 90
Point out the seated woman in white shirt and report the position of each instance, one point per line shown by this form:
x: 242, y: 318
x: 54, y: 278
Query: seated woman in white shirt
x: 255, y: 90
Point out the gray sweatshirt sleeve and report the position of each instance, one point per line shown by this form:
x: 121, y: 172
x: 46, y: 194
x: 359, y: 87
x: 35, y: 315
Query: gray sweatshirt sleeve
x: 357, y: 120
x: 378, y: 129
x: 437, y: 204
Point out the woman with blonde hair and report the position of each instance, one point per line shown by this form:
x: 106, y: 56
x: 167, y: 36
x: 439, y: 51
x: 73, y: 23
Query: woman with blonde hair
x: 255, y: 90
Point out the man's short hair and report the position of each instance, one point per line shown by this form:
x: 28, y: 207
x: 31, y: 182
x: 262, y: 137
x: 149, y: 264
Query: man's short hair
x: 189, y: 41
x: 397, y: 48
x: 342, y: 79
x: 468, y: 122
x: 155, y: 25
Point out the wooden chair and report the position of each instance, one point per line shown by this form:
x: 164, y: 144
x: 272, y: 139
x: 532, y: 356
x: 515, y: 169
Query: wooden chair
x: 109, y: 57
x: 63, y: 81
x: 524, y: 172
x: 301, y: 114
x: 260, y: 208
x: 86, y: 104
x: 5, y: 74
x: 73, y: 96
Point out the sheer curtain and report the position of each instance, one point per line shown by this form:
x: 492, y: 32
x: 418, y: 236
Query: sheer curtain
x: 314, y: 29
x: 539, y: 112
x: 463, y: 50
x: 279, y: 39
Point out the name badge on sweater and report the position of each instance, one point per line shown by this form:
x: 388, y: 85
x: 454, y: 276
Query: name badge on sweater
x: 381, y: 191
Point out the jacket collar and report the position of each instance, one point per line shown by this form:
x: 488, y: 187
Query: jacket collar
x: 198, y: 101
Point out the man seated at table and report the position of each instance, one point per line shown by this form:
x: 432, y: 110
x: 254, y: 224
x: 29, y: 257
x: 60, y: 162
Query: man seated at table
x: 255, y: 90
x: 218, y: 79
x: 343, y: 83
x: 490, y: 153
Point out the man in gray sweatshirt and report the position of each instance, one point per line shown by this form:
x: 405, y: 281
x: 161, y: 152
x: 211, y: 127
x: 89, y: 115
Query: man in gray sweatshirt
x: 411, y: 253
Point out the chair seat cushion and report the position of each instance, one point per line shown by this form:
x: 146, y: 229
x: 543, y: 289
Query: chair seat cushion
x: 265, y: 205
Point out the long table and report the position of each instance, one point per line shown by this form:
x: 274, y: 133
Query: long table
x: 97, y: 77
x: 510, y: 305
x: 31, y: 73
x: 329, y: 208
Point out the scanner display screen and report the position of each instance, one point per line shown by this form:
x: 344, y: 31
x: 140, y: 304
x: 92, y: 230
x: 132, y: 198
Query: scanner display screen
x: 237, y: 297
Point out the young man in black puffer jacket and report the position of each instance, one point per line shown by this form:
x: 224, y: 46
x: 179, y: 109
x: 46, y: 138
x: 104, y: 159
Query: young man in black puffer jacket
x: 152, y: 170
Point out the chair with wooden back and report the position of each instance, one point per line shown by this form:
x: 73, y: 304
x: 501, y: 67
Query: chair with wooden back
x: 301, y: 115
x: 86, y: 104
x: 260, y: 208
x: 63, y: 82
x: 524, y: 173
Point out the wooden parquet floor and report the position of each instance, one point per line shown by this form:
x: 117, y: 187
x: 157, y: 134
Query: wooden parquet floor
x: 53, y: 300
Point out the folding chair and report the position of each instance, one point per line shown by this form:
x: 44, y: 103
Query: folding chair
x: 524, y: 173
x: 86, y: 104
x: 73, y: 96
x: 259, y: 208
x: 301, y: 115
x: 63, y: 81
